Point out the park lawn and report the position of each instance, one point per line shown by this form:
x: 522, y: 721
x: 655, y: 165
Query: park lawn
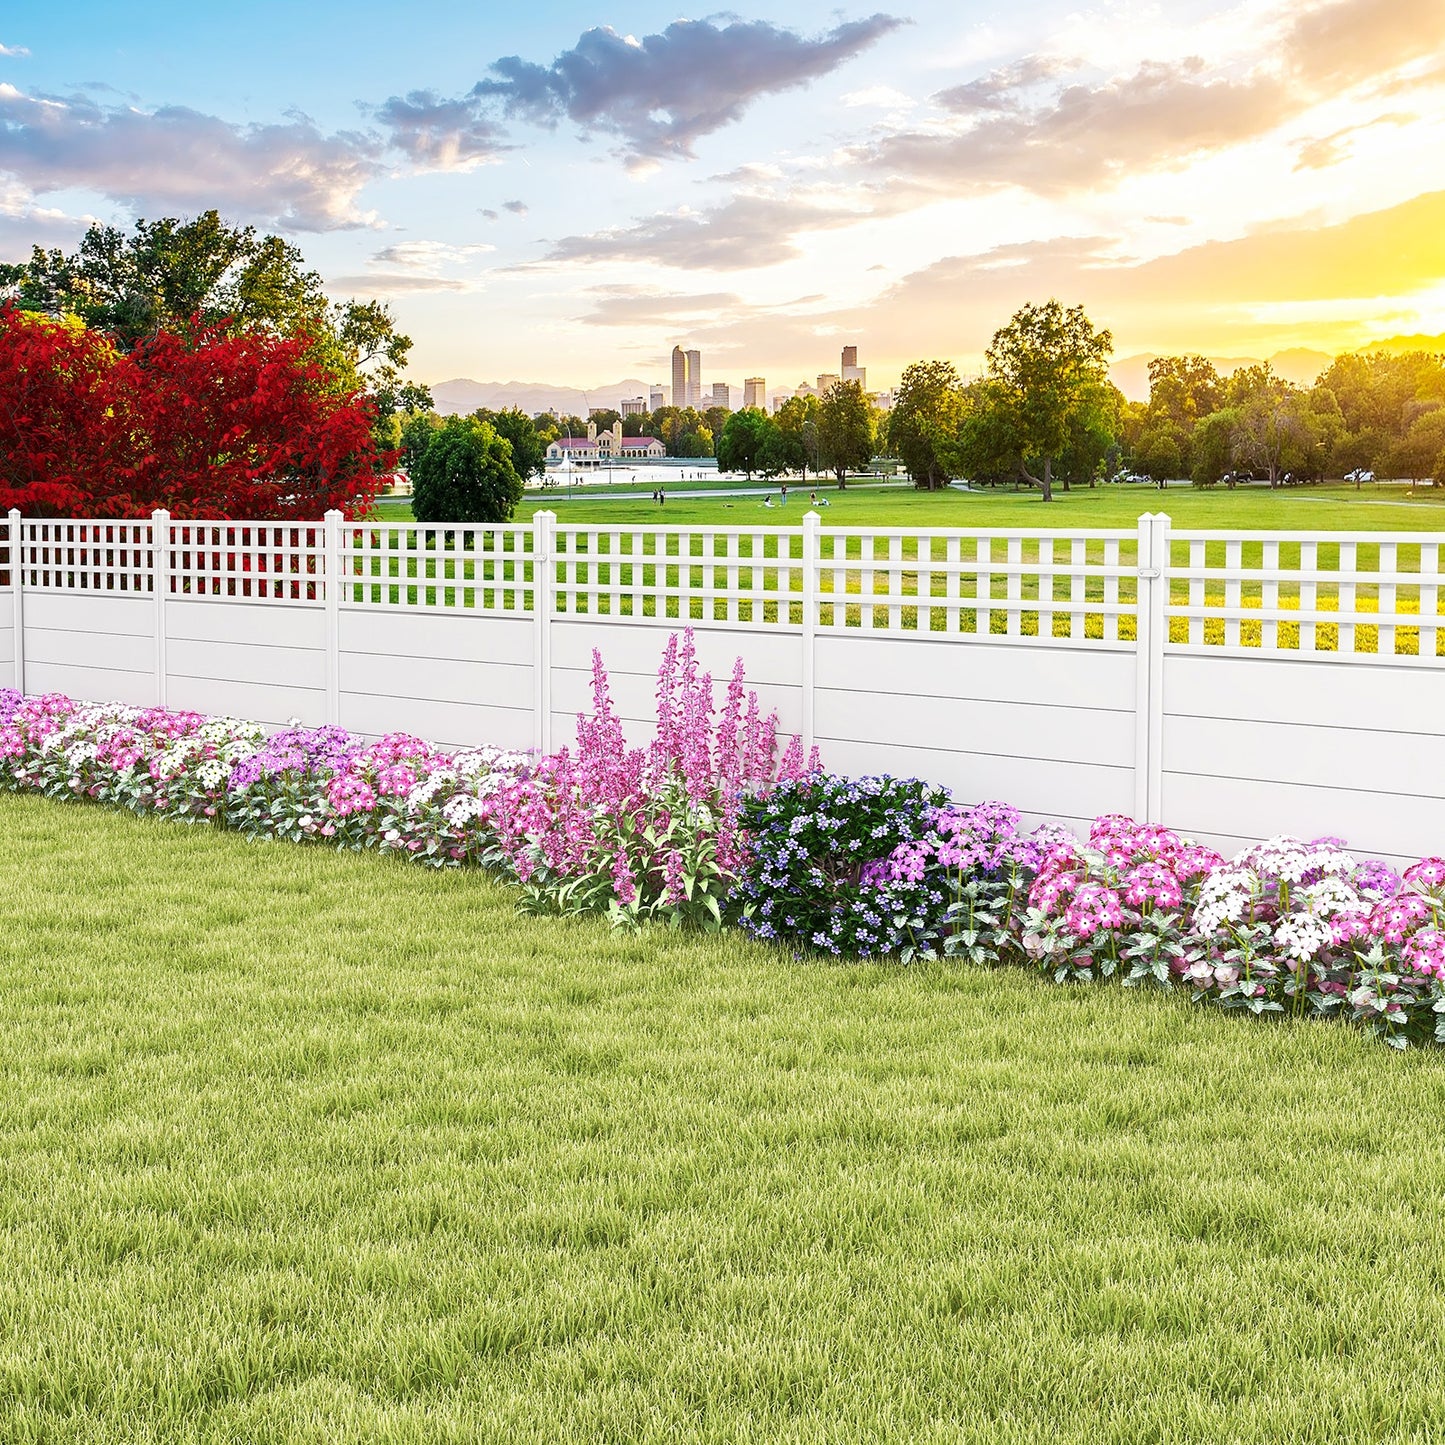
x: 308, y: 1147
x: 1338, y: 508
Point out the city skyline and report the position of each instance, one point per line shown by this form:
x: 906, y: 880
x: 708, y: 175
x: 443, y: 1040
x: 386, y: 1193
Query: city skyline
x: 544, y: 196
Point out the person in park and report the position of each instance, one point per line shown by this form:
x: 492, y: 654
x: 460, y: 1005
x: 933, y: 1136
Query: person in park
x: 783, y: 490
x: 768, y: 502
x: 661, y: 496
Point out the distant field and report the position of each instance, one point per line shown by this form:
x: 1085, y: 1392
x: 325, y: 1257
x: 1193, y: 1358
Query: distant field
x: 1338, y: 508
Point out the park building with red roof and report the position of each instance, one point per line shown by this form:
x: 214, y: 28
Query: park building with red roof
x: 600, y: 448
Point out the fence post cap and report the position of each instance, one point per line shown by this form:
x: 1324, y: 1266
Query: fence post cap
x: 334, y: 514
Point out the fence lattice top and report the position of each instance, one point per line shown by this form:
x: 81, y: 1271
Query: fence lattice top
x: 1317, y: 593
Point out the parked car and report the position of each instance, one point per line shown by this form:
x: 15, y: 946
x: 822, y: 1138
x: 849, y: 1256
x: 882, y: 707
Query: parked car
x: 1361, y: 474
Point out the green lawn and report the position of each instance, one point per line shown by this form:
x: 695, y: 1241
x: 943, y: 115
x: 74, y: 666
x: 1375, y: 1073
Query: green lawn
x: 298, y: 1146
x: 1305, y: 509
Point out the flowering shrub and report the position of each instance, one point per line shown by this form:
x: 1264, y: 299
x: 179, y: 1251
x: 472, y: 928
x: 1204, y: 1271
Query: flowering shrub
x: 645, y: 832
x: 819, y: 873
x: 398, y: 794
x: 706, y: 824
x: 1115, y: 904
x: 981, y: 863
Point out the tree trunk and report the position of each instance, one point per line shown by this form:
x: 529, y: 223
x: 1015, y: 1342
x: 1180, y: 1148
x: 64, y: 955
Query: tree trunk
x: 1048, y: 481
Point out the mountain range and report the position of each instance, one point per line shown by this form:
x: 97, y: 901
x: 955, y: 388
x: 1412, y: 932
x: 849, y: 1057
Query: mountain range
x: 462, y: 395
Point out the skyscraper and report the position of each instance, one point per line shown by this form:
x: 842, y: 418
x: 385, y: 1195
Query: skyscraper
x: 722, y: 395
x: 755, y: 392
x: 656, y: 398
x: 851, y: 371
x: 850, y: 358
x: 694, y: 378
x: 679, y: 377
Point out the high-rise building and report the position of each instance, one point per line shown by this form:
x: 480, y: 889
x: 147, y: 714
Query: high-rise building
x: 633, y: 405
x: 850, y: 358
x: 656, y: 398
x: 755, y: 393
x: 722, y: 395
x: 694, y: 378
x: 827, y: 380
x: 679, y: 376
x: 850, y: 370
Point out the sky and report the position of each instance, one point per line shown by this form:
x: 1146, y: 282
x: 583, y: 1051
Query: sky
x: 561, y: 192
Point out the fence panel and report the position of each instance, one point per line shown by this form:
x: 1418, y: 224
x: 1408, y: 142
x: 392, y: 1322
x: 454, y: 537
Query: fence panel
x: 1227, y: 683
x: 987, y: 586
x: 733, y: 576
x: 253, y: 561
x: 412, y: 566
x: 1320, y: 594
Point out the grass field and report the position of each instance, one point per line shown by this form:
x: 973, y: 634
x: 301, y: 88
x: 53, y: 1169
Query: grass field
x: 303, y: 1147
x: 1333, y: 508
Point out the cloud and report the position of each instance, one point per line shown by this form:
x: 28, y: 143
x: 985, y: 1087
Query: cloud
x: 399, y: 283
x: 288, y: 175
x: 1049, y: 126
x: 1081, y: 136
x: 517, y: 208
x: 438, y: 134
x: 663, y: 93
x: 1328, y: 150
x: 1350, y: 41
x: 13, y: 52
x: 640, y: 306
x: 1001, y: 89
x: 741, y: 234
x: 428, y: 256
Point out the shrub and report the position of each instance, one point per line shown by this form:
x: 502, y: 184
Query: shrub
x: 817, y: 873
x: 645, y: 833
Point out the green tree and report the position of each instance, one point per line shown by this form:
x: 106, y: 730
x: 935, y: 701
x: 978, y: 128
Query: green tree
x: 796, y: 443
x: 1213, y: 448
x: 1159, y: 454
x: 923, y: 427
x: 529, y: 450
x: 1417, y: 456
x: 465, y: 475
x: 415, y: 435
x: 171, y: 274
x: 748, y: 443
x: 1046, y: 366
x: 1273, y: 430
x: 845, y: 430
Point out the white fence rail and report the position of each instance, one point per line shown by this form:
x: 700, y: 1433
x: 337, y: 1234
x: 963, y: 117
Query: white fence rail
x: 1229, y: 684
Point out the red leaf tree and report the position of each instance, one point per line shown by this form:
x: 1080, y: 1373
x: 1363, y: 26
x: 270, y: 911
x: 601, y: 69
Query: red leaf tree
x: 207, y: 425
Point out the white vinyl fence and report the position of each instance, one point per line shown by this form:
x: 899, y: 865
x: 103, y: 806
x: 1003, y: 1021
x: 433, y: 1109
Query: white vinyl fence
x: 1231, y: 685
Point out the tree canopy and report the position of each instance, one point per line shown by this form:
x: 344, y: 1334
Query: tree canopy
x: 845, y: 429
x: 465, y: 474
x: 211, y: 424
x: 746, y: 441
x: 1047, y: 369
x: 923, y: 426
x: 206, y: 276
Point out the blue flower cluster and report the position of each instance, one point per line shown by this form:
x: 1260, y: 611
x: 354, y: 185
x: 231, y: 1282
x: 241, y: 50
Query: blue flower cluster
x: 817, y: 873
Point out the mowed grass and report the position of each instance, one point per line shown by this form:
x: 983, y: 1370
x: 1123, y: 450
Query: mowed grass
x: 1333, y: 508
x: 298, y: 1146
x: 1326, y: 508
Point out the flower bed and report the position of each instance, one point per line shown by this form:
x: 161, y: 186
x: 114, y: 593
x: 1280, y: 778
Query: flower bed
x: 708, y: 826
